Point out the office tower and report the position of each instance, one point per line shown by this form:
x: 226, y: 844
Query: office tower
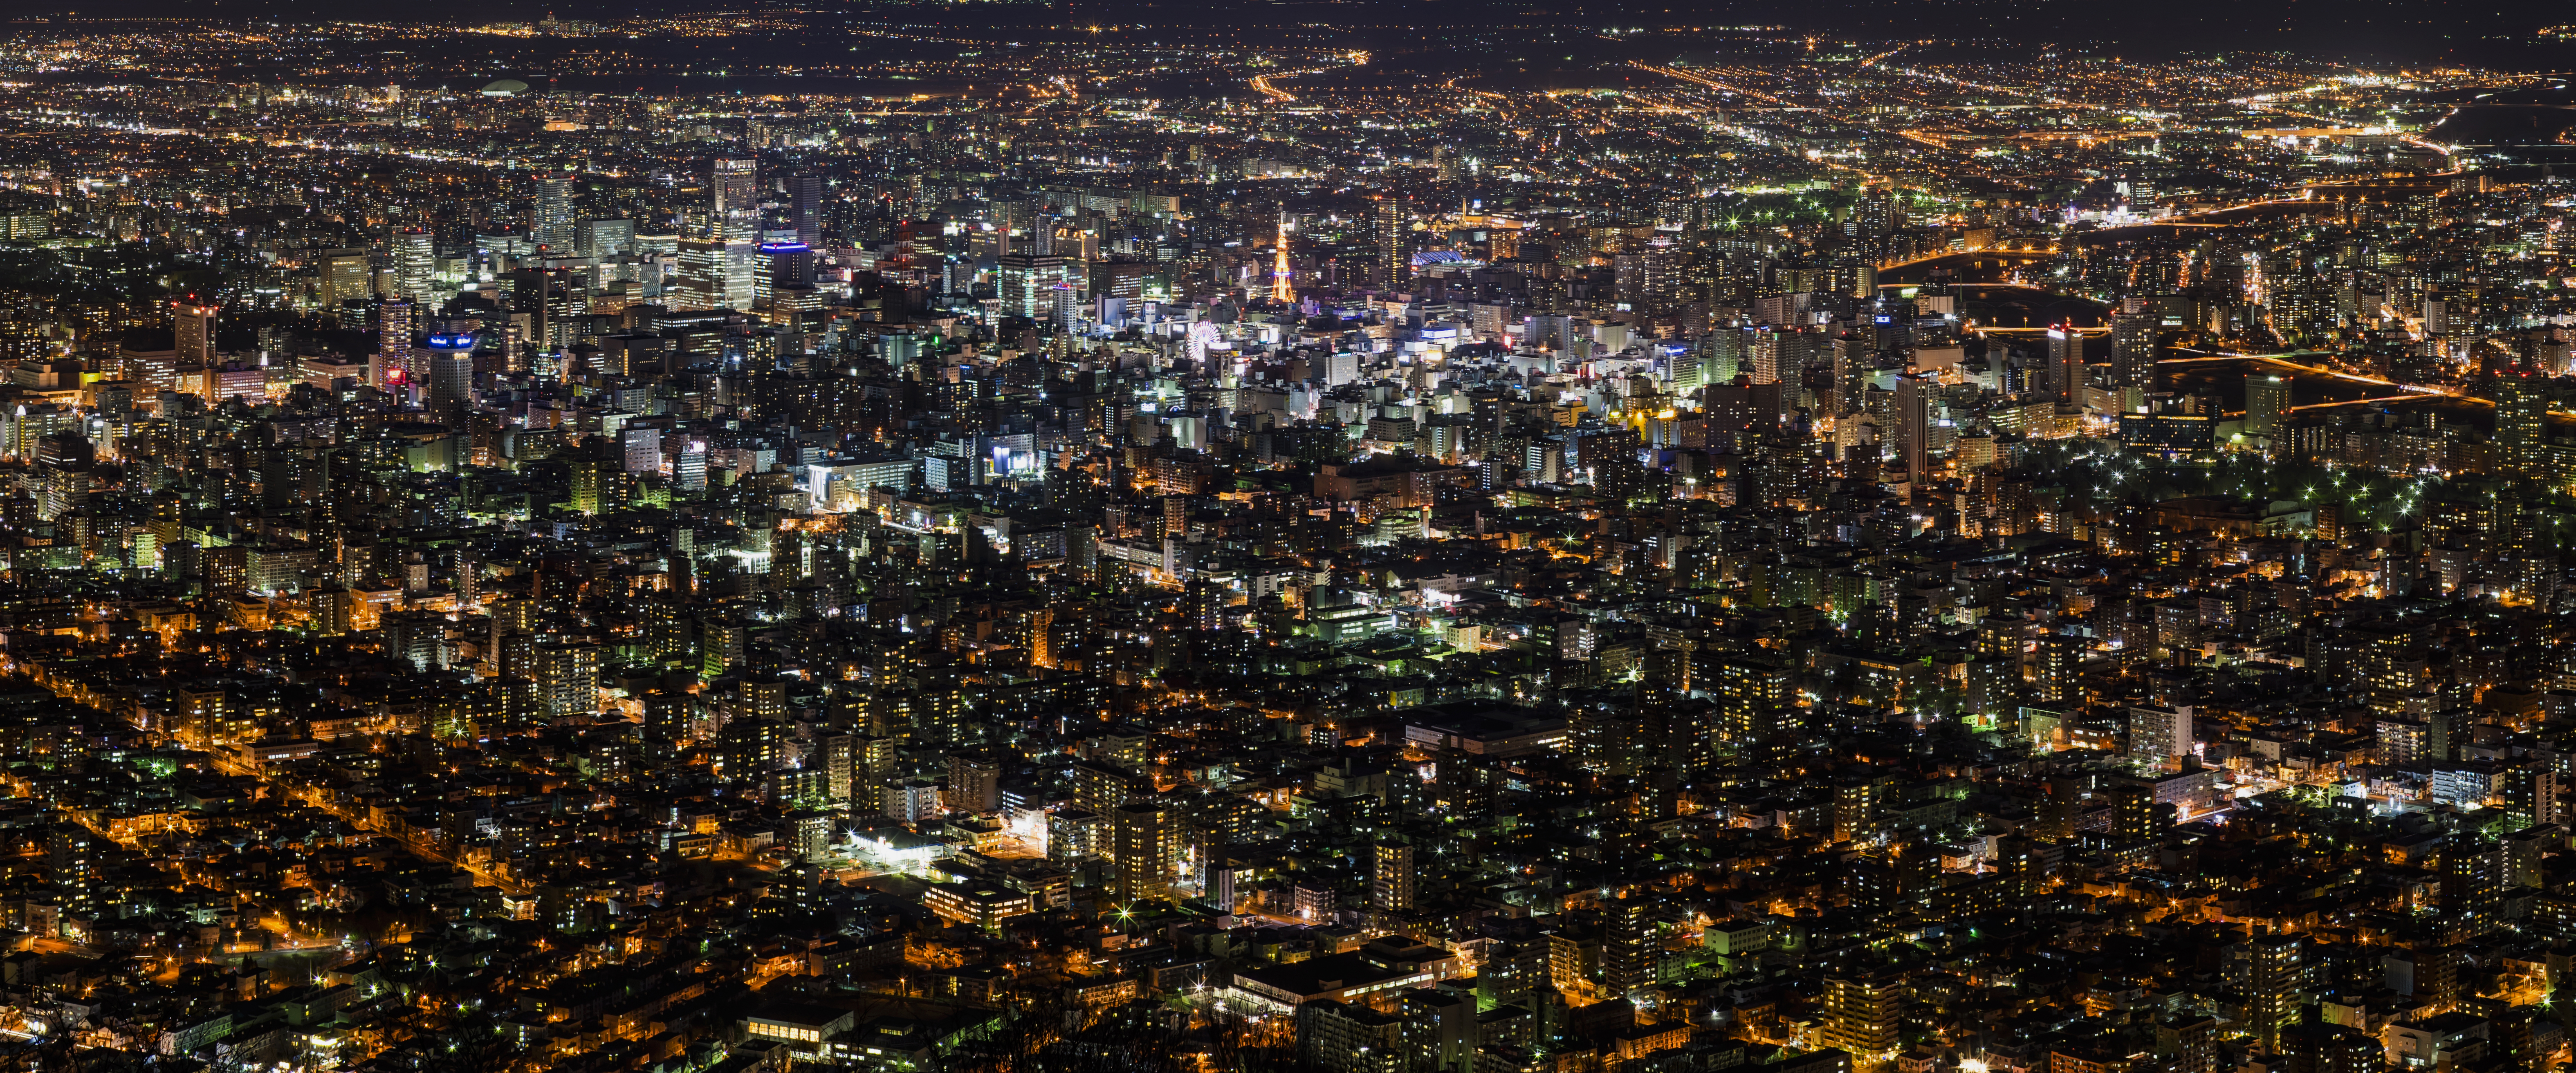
x: 1914, y: 426
x: 2521, y: 408
x: 552, y: 227
x: 2066, y: 364
x: 451, y: 375
x: 1143, y: 851
x: 1027, y: 285
x: 689, y: 468
x: 604, y: 238
x: 1860, y: 1016
x: 415, y: 264
x: 2267, y: 397
x: 700, y: 284
x: 1391, y: 876
x: 805, y: 197
x: 194, y: 324
x: 736, y: 225
x: 2266, y: 975
x: 785, y: 267
x: 344, y: 277
x: 1394, y: 243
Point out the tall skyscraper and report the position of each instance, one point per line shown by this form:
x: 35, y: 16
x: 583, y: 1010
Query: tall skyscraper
x: 393, y: 331
x: 735, y: 223
x: 805, y: 195
x: 2133, y: 347
x: 1914, y: 426
x: 1394, y: 243
x: 2521, y: 407
x: 2066, y: 364
x: 194, y: 324
x: 415, y: 263
x: 2267, y: 397
x: 451, y: 375
x: 553, y: 226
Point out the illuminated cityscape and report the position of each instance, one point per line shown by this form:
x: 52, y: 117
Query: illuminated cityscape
x: 1312, y: 537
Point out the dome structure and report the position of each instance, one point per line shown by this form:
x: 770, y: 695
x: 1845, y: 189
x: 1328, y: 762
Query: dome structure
x: 507, y: 87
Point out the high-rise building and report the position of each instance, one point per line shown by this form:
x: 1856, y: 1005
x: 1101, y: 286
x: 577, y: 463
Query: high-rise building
x: 451, y: 374
x: 735, y: 223
x: 72, y: 862
x: 2136, y: 815
x: 2267, y: 397
x: 1142, y: 856
x: 2066, y: 364
x: 1752, y: 693
x: 2266, y: 975
x: 1391, y: 877
x: 344, y: 277
x: 552, y: 226
x: 2473, y: 887
x: 1283, y: 283
x: 1860, y: 1016
x: 805, y: 197
x: 1334, y: 1037
x: 2133, y: 347
x: 567, y: 675
x: 1439, y: 1032
x: 2159, y: 736
x: 2057, y: 669
x: 2521, y: 408
x: 2190, y: 1043
x: 1394, y: 243
x: 193, y: 322
x: 2320, y: 1047
x: 1027, y: 285
x: 1628, y: 947
x: 1914, y: 426
x: 415, y: 263
x: 393, y: 332
x: 604, y: 238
